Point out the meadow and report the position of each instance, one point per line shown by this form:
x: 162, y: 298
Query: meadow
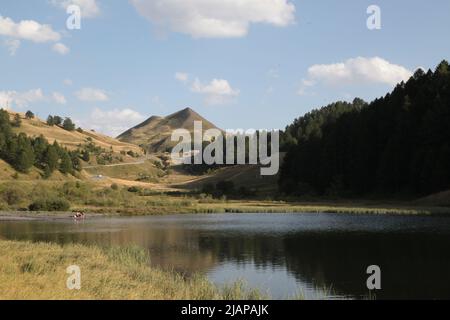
x: 30, y: 197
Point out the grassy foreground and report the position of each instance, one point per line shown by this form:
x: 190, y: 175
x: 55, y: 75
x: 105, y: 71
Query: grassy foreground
x: 38, y: 271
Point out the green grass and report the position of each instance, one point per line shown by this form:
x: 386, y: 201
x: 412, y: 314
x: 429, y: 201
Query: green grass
x: 38, y: 271
x: 86, y: 196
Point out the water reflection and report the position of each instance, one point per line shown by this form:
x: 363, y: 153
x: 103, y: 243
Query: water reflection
x: 284, y: 254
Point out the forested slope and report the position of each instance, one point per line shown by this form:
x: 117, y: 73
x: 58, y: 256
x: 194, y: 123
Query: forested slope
x: 398, y: 144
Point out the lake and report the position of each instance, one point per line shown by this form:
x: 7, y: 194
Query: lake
x: 285, y: 255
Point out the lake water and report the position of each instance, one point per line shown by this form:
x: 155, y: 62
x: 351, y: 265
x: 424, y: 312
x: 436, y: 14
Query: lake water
x: 317, y: 255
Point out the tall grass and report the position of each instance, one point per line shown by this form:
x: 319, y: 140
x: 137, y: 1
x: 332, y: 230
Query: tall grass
x: 38, y: 271
x: 92, y: 198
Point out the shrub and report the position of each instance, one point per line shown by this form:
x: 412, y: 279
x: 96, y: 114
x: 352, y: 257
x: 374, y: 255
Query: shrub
x: 114, y: 187
x: 208, y: 188
x: 68, y: 125
x: 50, y: 205
x: 13, y: 195
x: 74, y: 190
x: 225, y: 187
x: 29, y: 115
x: 134, y: 189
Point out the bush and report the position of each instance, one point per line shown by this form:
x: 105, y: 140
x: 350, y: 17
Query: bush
x: 114, y: 187
x: 12, y: 195
x: 50, y: 205
x: 134, y: 189
x: 68, y: 125
x: 29, y: 115
x: 225, y: 187
x: 208, y: 188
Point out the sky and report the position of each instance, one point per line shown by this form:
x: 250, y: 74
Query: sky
x: 242, y: 64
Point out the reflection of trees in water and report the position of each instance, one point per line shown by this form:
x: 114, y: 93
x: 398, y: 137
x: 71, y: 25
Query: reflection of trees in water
x: 170, y: 248
x: 413, y: 265
x: 263, y: 250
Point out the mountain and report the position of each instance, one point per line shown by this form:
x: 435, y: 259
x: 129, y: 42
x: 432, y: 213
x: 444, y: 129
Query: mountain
x: 154, y: 134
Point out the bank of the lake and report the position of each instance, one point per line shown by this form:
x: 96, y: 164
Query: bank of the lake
x: 283, y: 255
x: 38, y: 271
x: 23, y: 197
x: 173, y: 205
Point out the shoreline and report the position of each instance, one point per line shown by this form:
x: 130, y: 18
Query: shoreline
x: 40, y: 216
x: 33, y: 271
x: 230, y: 208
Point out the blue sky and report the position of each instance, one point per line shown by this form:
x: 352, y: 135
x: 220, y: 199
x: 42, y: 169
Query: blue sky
x: 240, y: 63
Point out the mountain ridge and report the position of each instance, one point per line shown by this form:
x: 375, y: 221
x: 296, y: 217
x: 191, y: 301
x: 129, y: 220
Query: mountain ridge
x: 154, y: 133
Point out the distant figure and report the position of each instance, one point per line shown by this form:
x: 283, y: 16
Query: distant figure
x: 79, y: 215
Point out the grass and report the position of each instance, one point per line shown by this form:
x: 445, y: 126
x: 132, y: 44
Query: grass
x: 87, y: 196
x: 128, y: 172
x: 71, y: 140
x: 38, y: 271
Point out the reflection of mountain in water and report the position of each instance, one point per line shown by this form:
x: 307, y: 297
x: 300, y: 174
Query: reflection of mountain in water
x: 414, y: 265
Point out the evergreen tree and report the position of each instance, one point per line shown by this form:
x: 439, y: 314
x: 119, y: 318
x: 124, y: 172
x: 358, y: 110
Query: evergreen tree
x: 75, y: 158
x: 51, y: 159
x: 29, y: 115
x: 68, y: 125
x: 66, y: 166
x: 398, y: 144
x: 24, y: 158
x: 57, y: 120
x: 85, y: 155
x: 17, y: 122
x: 50, y: 121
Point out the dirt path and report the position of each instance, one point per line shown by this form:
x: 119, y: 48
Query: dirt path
x: 116, y: 165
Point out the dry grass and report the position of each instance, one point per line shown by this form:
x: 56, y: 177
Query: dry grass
x: 38, y: 271
x: 131, y: 172
x: 36, y: 127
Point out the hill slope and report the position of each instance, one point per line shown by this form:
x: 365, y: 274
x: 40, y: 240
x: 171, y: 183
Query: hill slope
x: 395, y: 145
x: 154, y: 134
x: 70, y: 139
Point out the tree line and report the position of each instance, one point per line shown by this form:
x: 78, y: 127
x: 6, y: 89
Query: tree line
x: 23, y: 152
x: 396, y: 145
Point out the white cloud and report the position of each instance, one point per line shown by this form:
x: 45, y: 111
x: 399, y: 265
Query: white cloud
x: 68, y: 82
x: 181, y: 76
x: 28, y: 30
x: 306, y: 83
x: 112, y: 122
x: 13, y: 45
x: 358, y: 70
x: 218, y: 91
x: 91, y: 95
x: 89, y: 8
x: 215, y: 18
x: 60, y: 48
x: 59, y: 98
x: 12, y: 99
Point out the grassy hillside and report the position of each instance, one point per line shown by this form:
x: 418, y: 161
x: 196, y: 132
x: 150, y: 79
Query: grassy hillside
x: 144, y: 172
x: 248, y: 176
x: 71, y: 139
